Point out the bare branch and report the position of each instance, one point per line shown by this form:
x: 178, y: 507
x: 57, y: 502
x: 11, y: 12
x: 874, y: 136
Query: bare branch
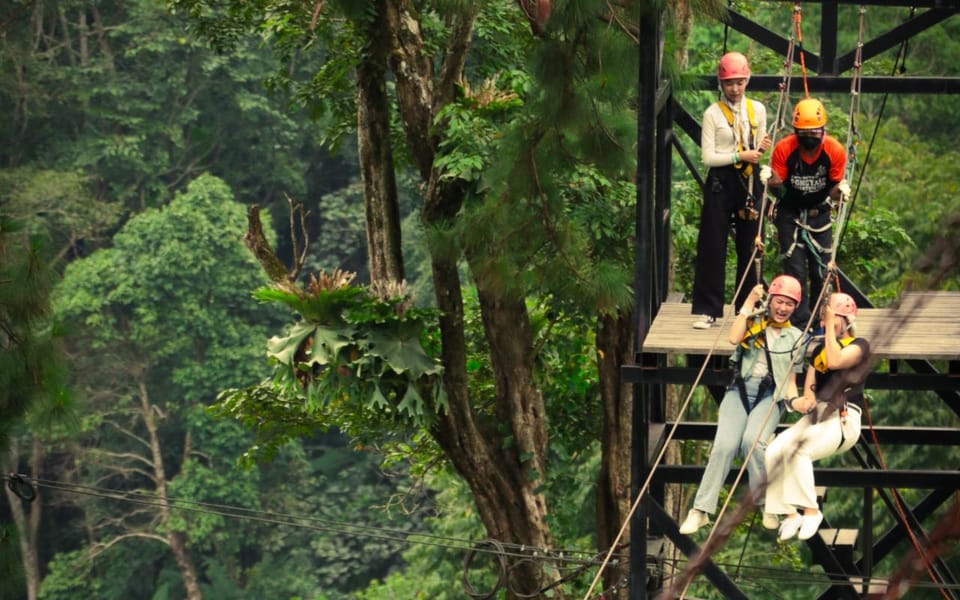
x: 317, y: 7
x: 100, y: 548
x: 298, y: 234
x: 126, y: 432
x: 257, y: 242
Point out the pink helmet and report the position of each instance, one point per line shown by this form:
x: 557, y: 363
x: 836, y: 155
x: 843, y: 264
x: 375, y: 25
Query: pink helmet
x: 733, y: 65
x: 785, y: 285
x: 843, y: 305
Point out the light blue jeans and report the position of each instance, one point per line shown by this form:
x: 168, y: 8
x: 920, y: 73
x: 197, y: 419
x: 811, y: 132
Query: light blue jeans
x: 736, y: 432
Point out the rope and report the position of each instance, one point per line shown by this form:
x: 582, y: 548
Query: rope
x: 897, y: 66
x: 901, y: 512
x: 666, y: 442
x: 843, y: 210
x: 758, y: 249
x: 803, y: 61
x: 783, y: 92
x: 775, y: 126
x: 743, y: 466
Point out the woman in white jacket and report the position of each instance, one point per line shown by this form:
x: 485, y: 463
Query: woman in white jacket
x: 733, y: 138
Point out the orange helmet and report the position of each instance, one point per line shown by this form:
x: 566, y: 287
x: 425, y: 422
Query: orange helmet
x: 785, y: 285
x: 809, y: 114
x: 843, y: 305
x: 733, y: 65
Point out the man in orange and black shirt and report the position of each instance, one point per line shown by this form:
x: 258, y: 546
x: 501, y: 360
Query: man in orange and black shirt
x: 806, y: 172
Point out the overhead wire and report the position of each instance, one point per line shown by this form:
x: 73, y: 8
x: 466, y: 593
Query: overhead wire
x: 299, y: 521
x: 574, y: 561
x: 501, y: 549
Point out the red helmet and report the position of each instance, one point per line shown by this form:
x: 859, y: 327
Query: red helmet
x: 733, y: 65
x: 843, y: 305
x: 785, y: 285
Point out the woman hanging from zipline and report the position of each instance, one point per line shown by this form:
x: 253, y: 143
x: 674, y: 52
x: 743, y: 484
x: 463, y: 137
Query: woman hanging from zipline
x: 832, y: 400
x: 764, y: 374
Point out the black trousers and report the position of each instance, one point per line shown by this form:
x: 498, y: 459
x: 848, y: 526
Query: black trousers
x: 724, y: 194
x: 804, y: 259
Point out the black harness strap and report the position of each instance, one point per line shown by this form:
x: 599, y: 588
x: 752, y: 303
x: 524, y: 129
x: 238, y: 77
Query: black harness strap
x: 768, y: 383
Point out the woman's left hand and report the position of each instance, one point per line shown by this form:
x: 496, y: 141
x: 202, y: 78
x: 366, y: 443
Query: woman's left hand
x: 804, y: 405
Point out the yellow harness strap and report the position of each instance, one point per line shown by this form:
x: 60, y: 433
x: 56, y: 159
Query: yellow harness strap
x: 745, y: 167
x: 820, y: 360
x: 756, y: 326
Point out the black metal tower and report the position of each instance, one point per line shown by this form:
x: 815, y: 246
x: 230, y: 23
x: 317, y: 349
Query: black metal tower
x: 661, y: 118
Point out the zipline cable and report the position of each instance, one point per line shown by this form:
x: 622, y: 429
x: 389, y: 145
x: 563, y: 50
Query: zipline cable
x: 255, y: 515
x: 299, y: 521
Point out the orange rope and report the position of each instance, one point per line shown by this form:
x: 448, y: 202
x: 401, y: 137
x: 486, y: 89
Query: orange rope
x: 901, y: 512
x: 803, y: 62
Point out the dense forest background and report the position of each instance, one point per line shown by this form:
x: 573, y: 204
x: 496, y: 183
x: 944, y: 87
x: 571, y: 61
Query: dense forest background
x: 173, y: 454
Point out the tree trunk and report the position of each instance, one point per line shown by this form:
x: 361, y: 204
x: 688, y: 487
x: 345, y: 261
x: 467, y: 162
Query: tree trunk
x: 176, y: 539
x: 504, y: 478
x: 381, y: 205
x: 615, y: 348
x: 27, y: 522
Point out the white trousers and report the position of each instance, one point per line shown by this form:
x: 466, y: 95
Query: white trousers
x: 789, y: 458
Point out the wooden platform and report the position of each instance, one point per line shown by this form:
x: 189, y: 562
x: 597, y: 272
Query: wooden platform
x: 926, y: 325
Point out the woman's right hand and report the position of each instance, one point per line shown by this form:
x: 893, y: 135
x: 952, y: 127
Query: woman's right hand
x: 755, y: 296
x: 765, y: 143
x: 751, y: 156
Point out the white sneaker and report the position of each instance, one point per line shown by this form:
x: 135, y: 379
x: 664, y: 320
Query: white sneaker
x: 811, y: 523
x: 704, y: 322
x: 770, y: 521
x: 789, y: 527
x: 694, y: 521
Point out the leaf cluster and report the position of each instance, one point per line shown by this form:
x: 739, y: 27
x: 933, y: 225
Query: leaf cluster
x: 354, y: 359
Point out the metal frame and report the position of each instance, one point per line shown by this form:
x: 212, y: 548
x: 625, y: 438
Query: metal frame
x: 658, y: 113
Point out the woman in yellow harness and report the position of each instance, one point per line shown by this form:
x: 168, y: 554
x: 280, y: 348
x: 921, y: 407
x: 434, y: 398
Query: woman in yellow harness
x: 765, y: 373
x: 732, y: 139
x: 832, y: 401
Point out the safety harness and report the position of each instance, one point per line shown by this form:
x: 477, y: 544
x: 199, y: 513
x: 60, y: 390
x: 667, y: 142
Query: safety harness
x: 819, y: 363
x: 803, y: 231
x: 756, y: 337
x: 749, y: 211
x: 820, y: 360
x: 745, y: 168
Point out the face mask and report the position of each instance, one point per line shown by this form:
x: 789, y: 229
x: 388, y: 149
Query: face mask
x: 809, y: 143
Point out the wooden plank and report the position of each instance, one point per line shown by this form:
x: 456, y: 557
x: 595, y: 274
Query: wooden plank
x: 926, y: 325
x: 846, y: 538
